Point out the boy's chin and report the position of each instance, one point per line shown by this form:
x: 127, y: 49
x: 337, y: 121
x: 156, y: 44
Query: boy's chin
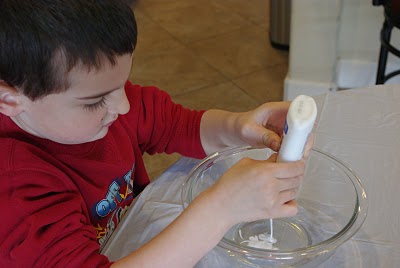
x: 99, y: 135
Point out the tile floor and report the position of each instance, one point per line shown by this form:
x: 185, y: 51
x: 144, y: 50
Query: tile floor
x: 207, y: 54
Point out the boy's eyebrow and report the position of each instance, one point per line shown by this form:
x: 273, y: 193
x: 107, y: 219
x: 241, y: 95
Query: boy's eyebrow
x: 98, y: 95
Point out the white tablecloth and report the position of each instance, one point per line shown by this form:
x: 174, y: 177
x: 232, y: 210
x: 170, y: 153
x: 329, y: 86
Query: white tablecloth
x: 361, y: 127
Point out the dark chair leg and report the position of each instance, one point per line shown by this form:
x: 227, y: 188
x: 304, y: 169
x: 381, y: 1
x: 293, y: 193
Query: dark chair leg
x: 383, y: 54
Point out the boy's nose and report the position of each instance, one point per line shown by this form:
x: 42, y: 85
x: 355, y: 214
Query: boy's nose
x: 120, y: 103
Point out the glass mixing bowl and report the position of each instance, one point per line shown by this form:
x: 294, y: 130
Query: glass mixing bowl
x: 332, y: 207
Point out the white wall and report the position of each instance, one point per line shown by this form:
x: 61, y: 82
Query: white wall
x: 334, y: 44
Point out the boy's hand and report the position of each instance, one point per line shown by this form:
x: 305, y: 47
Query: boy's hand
x: 263, y: 126
x: 254, y: 189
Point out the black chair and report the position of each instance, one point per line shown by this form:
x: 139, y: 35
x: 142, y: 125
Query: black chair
x: 392, y: 19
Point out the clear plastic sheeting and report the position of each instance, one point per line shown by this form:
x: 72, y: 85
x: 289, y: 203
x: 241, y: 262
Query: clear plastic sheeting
x: 360, y: 127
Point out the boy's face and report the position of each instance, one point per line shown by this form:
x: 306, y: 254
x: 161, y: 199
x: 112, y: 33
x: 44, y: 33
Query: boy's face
x: 83, y: 112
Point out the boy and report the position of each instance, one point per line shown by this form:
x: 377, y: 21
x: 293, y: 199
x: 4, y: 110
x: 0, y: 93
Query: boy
x: 72, y: 135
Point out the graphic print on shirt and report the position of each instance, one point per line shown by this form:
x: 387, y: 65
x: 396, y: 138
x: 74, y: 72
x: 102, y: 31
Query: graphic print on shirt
x: 113, y: 207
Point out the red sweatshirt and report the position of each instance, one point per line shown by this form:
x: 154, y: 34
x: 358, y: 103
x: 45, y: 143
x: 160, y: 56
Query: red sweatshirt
x: 60, y: 203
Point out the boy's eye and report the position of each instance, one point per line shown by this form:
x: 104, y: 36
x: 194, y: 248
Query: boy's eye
x: 97, y: 105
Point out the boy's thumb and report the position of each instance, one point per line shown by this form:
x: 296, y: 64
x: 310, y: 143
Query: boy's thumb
x: 271, y: 140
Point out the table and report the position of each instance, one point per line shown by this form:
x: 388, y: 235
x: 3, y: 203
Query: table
x: 361, y: 127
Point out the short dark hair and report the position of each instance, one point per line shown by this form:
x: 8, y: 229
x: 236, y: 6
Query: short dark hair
x: 36, y: 34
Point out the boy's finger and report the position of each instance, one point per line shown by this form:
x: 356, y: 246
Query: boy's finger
x: 287, y: 196
x: 289, y: 183
x: 272, y: 158
x: 289, y: 209
x: 288, y: 170
x: 271, y: 140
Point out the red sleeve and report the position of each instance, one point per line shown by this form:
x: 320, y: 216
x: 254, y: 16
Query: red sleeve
x: 45, y: 223
x: 163, y: 126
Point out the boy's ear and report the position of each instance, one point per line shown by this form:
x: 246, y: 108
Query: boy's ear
x: 10, y: 100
